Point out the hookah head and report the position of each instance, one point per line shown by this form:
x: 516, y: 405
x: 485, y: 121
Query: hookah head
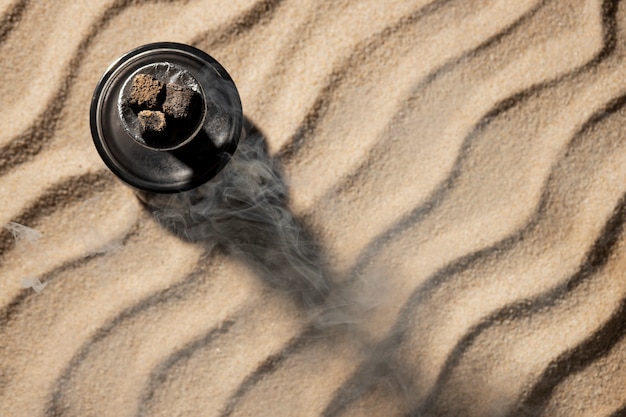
x: 166, y: 118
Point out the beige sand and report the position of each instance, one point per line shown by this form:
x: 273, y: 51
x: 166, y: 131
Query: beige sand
x: 460, y: 163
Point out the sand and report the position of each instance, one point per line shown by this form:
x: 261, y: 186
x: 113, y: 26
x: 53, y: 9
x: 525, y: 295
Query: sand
x: 459, y: 167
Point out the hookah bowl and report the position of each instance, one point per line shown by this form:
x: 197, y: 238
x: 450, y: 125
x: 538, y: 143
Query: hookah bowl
x: 166, y: 118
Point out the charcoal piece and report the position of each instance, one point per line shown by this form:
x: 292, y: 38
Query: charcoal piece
x: 180, y: 102
x: 152, y: 122
x: 146, y: 92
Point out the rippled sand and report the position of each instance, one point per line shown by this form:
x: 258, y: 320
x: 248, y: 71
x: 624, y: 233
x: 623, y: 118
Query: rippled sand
x: 460, y: 166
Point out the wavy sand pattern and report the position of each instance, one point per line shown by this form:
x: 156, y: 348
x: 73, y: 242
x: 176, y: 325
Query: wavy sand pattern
x: 459, y: 167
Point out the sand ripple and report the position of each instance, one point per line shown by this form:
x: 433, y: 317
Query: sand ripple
x: 460, y: 165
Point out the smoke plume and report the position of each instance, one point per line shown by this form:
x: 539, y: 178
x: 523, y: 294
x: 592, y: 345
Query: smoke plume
x: 244, y: 210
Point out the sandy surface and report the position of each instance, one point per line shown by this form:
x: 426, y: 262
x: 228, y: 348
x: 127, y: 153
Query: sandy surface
x: 457, y: 167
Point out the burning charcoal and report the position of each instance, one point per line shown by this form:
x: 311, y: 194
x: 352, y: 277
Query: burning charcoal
x: 146, y: 92
x: 152, y: 122
x: 179, y: 101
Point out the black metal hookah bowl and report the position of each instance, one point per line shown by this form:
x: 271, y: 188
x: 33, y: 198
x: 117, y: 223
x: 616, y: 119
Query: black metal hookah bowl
x: 166, y: 118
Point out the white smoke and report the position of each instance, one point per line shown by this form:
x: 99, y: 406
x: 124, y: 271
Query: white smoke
x: 21, y: 232
x: 244, y: 210
x: 33, y: 283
